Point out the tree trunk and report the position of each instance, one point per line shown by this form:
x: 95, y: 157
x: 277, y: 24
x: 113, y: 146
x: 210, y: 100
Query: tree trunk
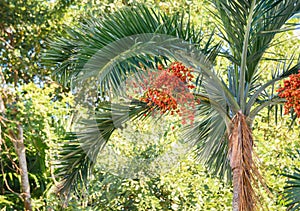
x: 236, y: 189
x: 20, y: 150
x: 2, y: 106
x: 2, y: 110
x: 241, y: 163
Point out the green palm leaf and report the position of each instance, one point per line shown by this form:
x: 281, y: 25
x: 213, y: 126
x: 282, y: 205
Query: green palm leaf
x: 262, y: 100
x: 268, y: 18
x: 74, y: 50
x: 292, y: 190
x: 81, y: 149
x: 209, y: 135
x: 257, y: 22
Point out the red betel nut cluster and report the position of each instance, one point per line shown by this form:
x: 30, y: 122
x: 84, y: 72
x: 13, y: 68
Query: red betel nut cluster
x: 291, y: 92
x: 169, y: 90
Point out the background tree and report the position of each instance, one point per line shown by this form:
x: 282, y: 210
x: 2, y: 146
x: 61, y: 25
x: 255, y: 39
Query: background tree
x: 24, y: 27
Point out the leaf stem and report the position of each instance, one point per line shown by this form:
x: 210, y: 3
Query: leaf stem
x: 241, y: 99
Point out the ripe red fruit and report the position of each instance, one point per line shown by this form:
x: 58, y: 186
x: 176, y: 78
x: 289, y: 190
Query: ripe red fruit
x: 169, y: 90
x: 291, y: 92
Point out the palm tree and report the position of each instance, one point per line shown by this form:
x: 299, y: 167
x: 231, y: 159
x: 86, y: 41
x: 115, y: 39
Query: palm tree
x: 222, y: 128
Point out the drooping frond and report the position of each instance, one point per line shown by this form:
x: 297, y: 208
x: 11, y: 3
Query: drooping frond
x: 209, y: 82
x: 79, y: 153
x: 72, y: 53
x: 209, y: 135
x: 210, y: 131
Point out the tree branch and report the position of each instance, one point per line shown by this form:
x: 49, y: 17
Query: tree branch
x: 8, y: 45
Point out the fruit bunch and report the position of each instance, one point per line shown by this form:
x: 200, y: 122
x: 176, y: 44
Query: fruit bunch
x: 291, y: 92
x: 169, y: 91
x: 181, y: 72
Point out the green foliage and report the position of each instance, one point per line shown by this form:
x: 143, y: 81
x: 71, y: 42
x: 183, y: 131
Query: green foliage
x: 186, y: 185
x: 48, y: 108
x: 24, y: 28
x: 25, y: 25
x: 181, y: 184
x: 185, y: 188
x: 276, y: 144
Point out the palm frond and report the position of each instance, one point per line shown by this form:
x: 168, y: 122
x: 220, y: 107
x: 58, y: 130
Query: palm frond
x: 282, y: 71
x: 70, y: 54
x: 266, y: 103
x: 210, y: 83
x: 209, y: 135
x: 79, y: 153
x: 292, y: 190
x: 249, y: 28
x: 268, y: 16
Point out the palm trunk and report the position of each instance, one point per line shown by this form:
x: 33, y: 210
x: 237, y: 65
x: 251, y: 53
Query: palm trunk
x: 236, y: 189
x: 240, y: 154
x: 20, y: 150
